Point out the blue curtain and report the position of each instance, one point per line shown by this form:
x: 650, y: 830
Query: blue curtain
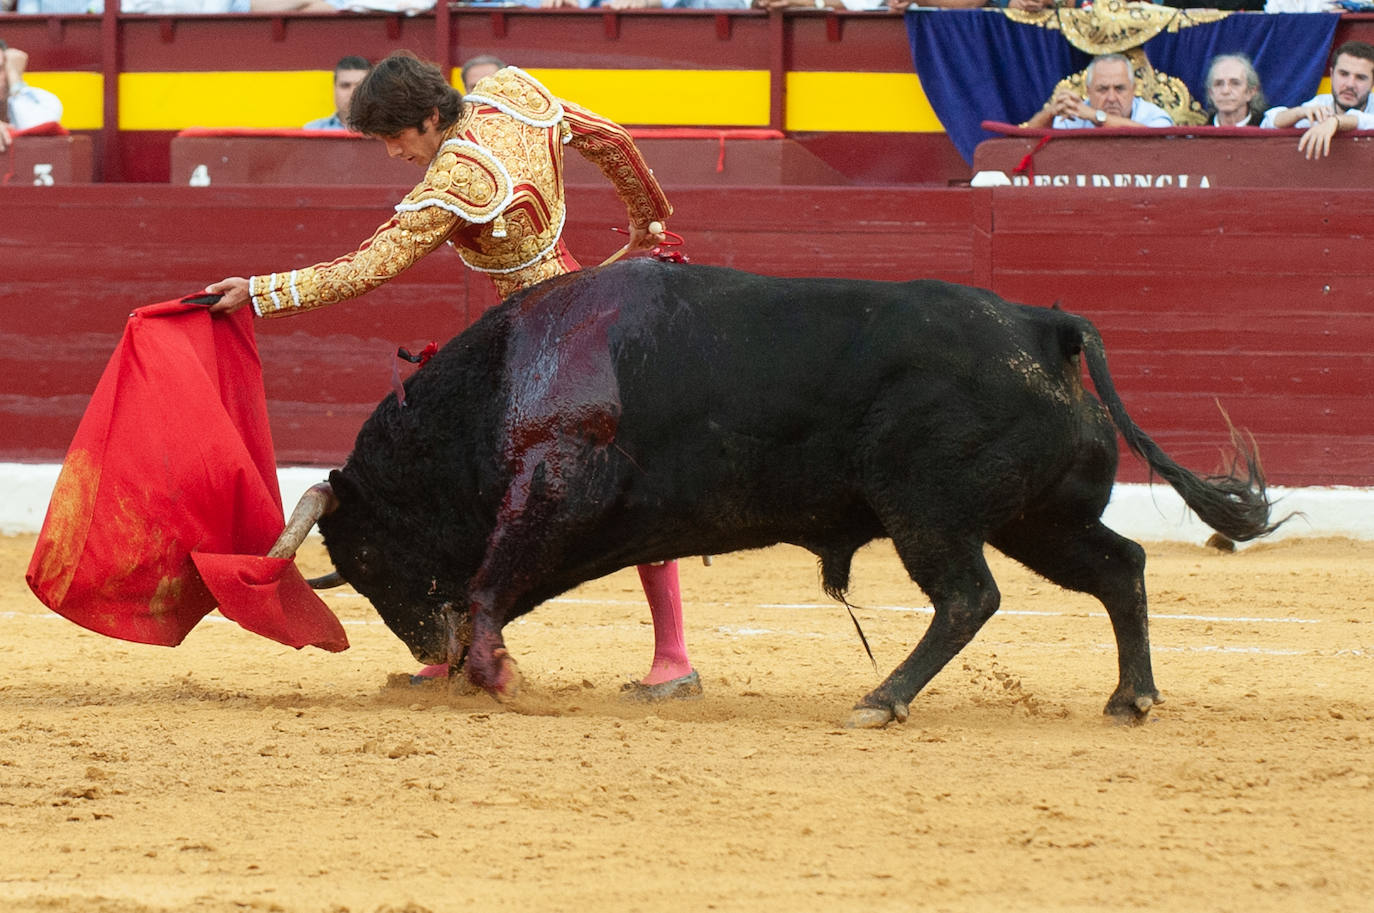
x: 978, y: 65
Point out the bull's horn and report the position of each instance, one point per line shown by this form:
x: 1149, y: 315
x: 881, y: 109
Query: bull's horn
x: 317, y: 501
x: 326, y: 581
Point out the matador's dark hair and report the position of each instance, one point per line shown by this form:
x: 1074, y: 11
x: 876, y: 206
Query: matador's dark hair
x: 401, y: 92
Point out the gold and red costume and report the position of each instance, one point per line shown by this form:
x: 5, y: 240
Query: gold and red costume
x: 494, y: 191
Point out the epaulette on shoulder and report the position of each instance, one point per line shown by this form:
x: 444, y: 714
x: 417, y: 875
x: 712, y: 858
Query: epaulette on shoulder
x: 465, y: 179
x: 517, y: 93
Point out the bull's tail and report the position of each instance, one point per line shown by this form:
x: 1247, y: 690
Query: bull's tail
x: 1234, y: 504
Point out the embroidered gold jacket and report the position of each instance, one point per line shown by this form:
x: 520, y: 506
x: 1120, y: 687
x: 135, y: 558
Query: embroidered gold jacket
x: 494, y: 191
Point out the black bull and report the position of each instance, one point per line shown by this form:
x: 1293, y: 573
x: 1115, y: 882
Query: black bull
x: 649, y: 411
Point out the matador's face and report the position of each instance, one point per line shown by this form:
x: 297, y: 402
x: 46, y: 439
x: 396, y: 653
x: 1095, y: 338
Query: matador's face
x: 416, y: 146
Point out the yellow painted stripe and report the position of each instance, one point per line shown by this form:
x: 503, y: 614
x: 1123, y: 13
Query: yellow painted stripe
x: 731, y: 98
x: 82, y: 102
x: 859, y: 102
x: 819, y: 101
x: 172, y: 101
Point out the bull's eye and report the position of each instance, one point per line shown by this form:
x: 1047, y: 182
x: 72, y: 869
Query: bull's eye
x: 369, y: 561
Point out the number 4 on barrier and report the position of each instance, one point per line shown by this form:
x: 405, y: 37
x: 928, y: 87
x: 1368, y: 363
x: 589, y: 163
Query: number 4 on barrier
x: 200, y: 176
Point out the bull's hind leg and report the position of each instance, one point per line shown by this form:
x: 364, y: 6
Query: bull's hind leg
x: 960, y: 586
x: 1090, y: 558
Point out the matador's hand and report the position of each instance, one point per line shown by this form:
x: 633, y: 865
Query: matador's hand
x: 234, y: 294
x: 643, y: 238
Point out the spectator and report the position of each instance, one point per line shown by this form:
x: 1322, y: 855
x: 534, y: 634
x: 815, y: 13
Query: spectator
x: 1233, y: 92
x: 348, y: 72
x: 1346, y: 107
x: 60, y: 7
x: 1025, y: 6
x: 478, y: 68
x: 25, y: 105
x: 647, y: 4
x: 492, y: 188
x: 820, y: 4
x: 193, y: 7
x: 1111, y: 101
x: 675, y: 4
x: 176, y: 7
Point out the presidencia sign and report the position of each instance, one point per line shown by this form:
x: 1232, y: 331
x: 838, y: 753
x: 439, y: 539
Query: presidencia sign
x: 1170, y: 158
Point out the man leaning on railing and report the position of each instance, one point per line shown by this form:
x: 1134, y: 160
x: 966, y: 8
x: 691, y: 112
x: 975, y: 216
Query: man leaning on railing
x: 25, y: 105
x: 1347, y: 106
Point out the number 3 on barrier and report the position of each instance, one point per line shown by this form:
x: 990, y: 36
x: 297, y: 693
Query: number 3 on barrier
x: 42, y: 174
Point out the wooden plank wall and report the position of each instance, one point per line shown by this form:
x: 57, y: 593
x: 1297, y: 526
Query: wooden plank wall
x: 1258, y: 299
x: 77, y: 260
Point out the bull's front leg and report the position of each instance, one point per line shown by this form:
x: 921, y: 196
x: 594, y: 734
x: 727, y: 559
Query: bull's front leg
x: 477, y: 640
x: 458, y: 629
x: 489, y: 664
x: 520, y: 550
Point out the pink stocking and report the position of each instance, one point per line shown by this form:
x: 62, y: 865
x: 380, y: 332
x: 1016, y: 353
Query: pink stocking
x: 665, y: 605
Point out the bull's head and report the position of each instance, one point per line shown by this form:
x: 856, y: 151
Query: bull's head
x: 418, y: 608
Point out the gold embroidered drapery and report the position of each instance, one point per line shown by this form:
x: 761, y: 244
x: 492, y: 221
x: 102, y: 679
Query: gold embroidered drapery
x: 1116, y: 27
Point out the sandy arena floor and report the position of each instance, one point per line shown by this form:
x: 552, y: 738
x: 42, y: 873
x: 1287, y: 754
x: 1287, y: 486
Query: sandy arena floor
x: 231, y: 774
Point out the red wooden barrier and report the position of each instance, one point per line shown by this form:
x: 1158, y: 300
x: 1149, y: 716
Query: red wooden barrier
x: 1259, y: 299
x: 725, y: 158
x: 47, y: 160
x: 66, y: 292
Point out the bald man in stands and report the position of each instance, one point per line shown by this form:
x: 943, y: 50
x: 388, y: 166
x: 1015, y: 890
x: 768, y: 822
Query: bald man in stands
x: 1111, y: 101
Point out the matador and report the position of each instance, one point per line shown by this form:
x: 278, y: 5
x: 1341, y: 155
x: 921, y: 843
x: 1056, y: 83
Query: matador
x: 493, y: 189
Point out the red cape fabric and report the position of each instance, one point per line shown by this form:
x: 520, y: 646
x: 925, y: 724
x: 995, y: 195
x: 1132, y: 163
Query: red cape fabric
x: 173, y: 456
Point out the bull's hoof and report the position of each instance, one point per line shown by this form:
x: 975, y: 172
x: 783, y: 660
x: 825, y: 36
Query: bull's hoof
x: 459, y: 685
x: 508, y: 680
x: 876, y: 717
x: 1132, y: 711
x: 1220, y: 543
x: 684, y: 688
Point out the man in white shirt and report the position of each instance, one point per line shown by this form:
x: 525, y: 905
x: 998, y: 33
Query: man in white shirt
x: 1346, y: 107
x: 1111, y: 101
x: 25, y: 105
